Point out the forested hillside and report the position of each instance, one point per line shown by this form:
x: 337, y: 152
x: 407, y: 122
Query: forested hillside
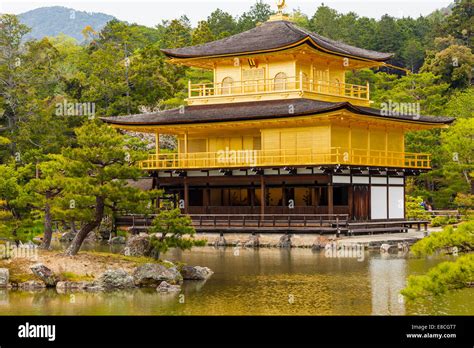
x: 120, y: 70
x: 56, y: 20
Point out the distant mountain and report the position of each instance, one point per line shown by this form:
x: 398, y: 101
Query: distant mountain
x: 52, y: 21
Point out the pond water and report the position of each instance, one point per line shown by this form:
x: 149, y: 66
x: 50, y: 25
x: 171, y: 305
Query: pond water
x: 262, y: 282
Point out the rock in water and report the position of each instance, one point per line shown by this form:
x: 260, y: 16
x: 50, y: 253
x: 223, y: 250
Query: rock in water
x: 115, y: 279
x: 196, y: 273
x: 32, y: 285
x: 4, y: 277
x: 220, y: 242
x: 152, y: 274
x: 138, y: 246
x: 320, y: 243
x: 70, y: 286
x: 45, y: 274
x: 166, y: 287
x: 285, y: 241
x: 384, y: 248
x: 252, y: 242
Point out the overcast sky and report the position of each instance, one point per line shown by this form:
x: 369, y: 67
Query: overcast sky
x: 152, y: 12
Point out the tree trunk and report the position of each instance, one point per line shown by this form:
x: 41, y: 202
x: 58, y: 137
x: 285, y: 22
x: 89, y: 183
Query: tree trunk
x: 76, y: 243
x: 48, y: 226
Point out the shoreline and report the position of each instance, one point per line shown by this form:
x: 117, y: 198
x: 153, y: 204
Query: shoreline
x: 273, y: 240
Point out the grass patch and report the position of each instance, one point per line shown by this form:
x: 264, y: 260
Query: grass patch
x: 137, y: 260
x: 73, y: 277
x: 17, y: 272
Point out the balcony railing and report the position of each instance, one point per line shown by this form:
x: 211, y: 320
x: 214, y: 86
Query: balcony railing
x: 297, y: 157
x: 288, y: 84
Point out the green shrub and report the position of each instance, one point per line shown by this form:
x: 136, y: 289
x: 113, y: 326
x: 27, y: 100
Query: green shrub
x: 440, y: 221
x: 441, y: 278
x: 414, y: 210
x: 461, y: 237
x: 174, y: 230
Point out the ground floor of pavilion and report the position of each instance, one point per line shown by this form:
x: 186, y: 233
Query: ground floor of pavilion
x: 365, y: 196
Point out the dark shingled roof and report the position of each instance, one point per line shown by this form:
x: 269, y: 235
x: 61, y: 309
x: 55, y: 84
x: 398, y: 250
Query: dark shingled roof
x: 272, y: 36
x: 270, y: 109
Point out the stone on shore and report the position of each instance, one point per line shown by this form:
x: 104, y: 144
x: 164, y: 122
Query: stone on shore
x: 138, y: 246
x: 384, y: 248
x: 285, y: 241
x: 4, y: 277
x: 115, y: 279
x: 166, y: 287
x: 196, y: 273
x: 152, y: 274
x: 67, y: 237
x: 118, y: 240
x: 45, y: 274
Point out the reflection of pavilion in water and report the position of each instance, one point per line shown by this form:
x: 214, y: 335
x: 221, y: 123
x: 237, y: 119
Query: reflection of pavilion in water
x: 387, y: 279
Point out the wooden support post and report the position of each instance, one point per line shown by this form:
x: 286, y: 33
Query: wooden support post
x: 186, y: 195
x: 351, y: 200
x: 330, y: 199
x: 207, y: 198
x: 262, y: 195
x: 186, y: 148
x: 157, y: 146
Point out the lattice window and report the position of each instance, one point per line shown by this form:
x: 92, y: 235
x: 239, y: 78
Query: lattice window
x: 253, y: 79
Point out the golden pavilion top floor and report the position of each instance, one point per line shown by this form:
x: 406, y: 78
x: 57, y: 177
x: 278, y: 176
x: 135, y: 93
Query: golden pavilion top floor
x: 277, y: 60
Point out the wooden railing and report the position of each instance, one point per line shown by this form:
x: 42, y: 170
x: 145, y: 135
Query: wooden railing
x: 296, y: 157
x: 280, y: 221
x: 262, y: 86
x: 271, y: 220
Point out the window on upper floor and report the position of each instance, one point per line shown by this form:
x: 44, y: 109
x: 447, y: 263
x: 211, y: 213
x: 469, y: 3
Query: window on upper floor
x: 227, y: 85
x: 253, y: 79
x: 305, y: 80
x: 280, y: 81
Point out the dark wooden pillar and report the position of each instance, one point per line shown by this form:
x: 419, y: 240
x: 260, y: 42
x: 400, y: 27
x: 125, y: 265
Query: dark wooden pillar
x: 351, y: 201
x: 314, y: 200
x: 207, y: 199
x: 330, y: 199
x: 186, y: 195
x: 262, y: 195
x: 251, y: 196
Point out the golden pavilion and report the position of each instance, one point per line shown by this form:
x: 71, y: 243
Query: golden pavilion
x: 279, y: 131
